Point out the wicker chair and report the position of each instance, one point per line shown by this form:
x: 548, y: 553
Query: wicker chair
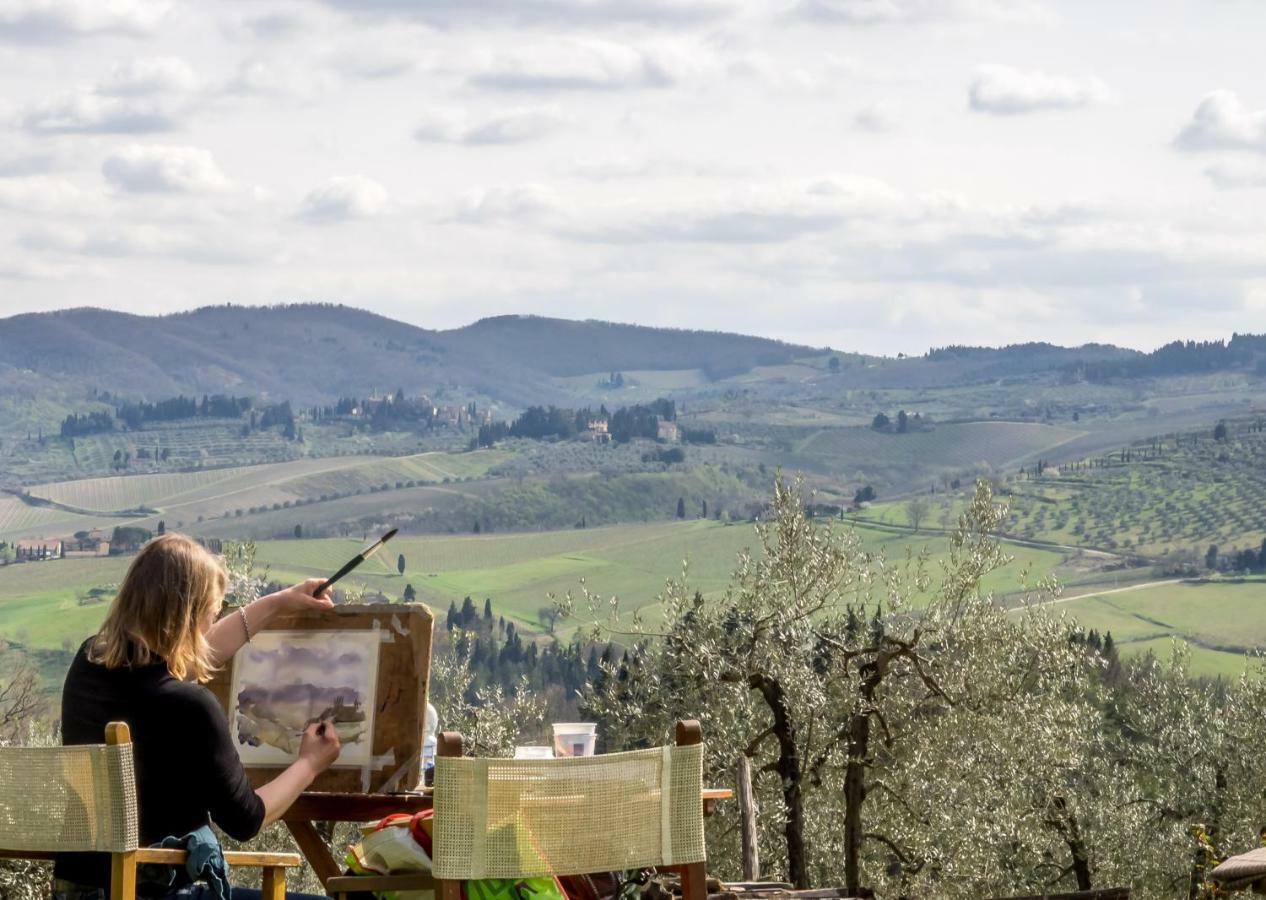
x: 83, y: 798
x: 519, y: 818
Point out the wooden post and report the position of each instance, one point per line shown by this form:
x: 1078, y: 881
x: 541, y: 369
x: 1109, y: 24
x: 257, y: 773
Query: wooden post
x: 448, y: 745
x: 689, y: 733
x: 747, y: 814
x: 694, y: 877
x: 274, y: 886
x: 694, y: 881
x: 123, y: 876
x: 122, y: 865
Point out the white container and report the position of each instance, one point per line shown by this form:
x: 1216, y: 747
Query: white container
x: 575, y: 738
x: 534, y: 752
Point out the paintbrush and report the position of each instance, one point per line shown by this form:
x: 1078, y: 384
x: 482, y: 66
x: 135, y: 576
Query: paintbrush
x: 370, y: 550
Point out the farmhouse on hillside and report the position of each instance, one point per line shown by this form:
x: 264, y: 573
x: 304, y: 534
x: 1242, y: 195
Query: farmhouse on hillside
x: 667, y: 431
x: 596, y: 432
x: 86, y: 543
x: 30, y: 549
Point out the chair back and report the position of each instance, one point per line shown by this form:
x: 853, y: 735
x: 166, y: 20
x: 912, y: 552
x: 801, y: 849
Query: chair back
x: 80, y: 798
x: 518, y: 818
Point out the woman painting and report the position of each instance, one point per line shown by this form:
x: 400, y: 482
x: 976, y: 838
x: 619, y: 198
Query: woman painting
x: 146, y: 666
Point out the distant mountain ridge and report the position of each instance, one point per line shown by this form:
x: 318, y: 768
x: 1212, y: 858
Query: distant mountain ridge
x: 312, y: 352
x: 317, y: 352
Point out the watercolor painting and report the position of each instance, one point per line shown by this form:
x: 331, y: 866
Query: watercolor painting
x: 285, y: 680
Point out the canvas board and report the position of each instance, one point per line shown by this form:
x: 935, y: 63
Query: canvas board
x: 326, y: 661
x: 285, y: 680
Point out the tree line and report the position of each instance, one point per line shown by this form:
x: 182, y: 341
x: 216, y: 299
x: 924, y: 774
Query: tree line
x: 498, y: 656
x: 1179, y: 358
x: 135, y: 415
x: 546, y: 422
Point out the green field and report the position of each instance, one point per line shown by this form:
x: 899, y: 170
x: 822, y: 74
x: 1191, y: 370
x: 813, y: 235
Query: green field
x: 1221, y: 620
x: 922, y: 457
x: 39, y: 601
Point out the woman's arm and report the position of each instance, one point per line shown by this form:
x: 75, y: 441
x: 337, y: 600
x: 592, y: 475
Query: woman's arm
x: 317, y: 753
x: 221, y: 781
x: 228, y: 635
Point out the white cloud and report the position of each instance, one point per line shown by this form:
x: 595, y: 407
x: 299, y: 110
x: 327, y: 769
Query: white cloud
x: 776, y: 74
x: 375, y: 63
x: 507, y: 126
x: 622, y: 166
x: 39, y: 194
x: 343, y: 198
x: 87, y: 112
x: 875, y: 117
x: 580, y: 64
x: 526, y: 202
x: 882, y: 12
x: 1229, y: 175
x: 52, y: 20
x: 140, y: 96
x: 1002, y: 90
x: 149, y: 75
x: 16, y: 159
x: 764, y: 214
x: 217, y: 246
x: 273, y: 26
x: 153, y: 168
x: 1222, y: 122
x: 279, y: 78
x: 447, y: 13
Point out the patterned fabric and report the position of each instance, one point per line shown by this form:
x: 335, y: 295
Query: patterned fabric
x: 68, y: 799
x: 515, y: 818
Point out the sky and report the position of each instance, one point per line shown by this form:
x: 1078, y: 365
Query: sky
x: 871, y: 175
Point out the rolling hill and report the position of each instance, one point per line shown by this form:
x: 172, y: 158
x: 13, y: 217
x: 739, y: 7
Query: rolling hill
x: 313, y: 352
x: 318, y: 352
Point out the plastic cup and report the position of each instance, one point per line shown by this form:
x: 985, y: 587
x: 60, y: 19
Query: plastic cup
x: 575, y: 738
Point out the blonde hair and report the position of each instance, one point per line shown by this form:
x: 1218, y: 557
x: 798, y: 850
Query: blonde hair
x: 173, y: 584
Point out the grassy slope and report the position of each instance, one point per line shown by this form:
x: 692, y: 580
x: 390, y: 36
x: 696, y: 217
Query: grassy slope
x: 38, y: 601
x: 1220, y: 619
x: 918, y: 458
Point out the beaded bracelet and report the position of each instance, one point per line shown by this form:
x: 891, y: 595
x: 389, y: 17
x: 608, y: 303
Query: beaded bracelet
x: 246, y: 626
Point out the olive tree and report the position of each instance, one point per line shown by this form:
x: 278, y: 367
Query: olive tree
x: 844, y: 676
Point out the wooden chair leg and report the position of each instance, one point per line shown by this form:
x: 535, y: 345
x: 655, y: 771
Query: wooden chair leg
x: 123, y: 875
x: 694, y: 881
x: 448, y: 889
x: 274, y: 886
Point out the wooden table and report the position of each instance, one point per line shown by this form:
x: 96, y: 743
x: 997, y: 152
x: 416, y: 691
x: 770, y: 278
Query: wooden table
x: 312, y: 807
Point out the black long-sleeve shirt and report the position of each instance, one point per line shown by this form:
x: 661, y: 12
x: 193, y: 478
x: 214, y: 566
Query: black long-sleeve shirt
x: 187, y: 770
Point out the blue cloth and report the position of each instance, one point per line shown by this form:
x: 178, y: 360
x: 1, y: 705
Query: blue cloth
x: 205, y: 862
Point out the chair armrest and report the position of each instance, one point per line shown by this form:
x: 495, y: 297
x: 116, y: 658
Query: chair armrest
x: 168, y: 856
x: 350, y: 884
x: 250, y: 858
x: 173, y: 857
